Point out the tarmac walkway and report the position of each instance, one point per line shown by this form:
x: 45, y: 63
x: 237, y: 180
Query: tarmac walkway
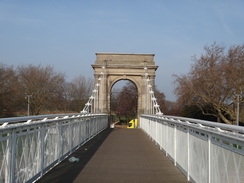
x: 114, y: 156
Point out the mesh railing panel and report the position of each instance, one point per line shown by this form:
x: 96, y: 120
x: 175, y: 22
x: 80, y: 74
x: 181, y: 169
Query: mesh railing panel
x: 51, y: 144
x: 4, y: 156
x: 198, y: 159
x: 182, y: 148
x: 226, y: 166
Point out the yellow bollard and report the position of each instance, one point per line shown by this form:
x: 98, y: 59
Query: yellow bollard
x: 131, y: 124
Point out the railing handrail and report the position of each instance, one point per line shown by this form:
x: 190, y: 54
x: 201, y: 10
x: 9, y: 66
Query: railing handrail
x: 13, y: 120
x: 211, y: 125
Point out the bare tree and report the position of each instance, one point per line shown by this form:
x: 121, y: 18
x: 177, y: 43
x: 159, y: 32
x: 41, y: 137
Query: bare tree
x: 171, y: 108
x: 8, y: 90
x: 79, y: 91
x: 43, y: 84
x: 214, y: 80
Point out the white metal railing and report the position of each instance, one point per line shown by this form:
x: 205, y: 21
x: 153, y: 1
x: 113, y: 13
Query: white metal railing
x: 204, y: 151
x: 30, y: 146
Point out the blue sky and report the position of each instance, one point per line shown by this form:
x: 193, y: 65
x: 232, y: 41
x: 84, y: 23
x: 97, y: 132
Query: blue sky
x: 66, y: 34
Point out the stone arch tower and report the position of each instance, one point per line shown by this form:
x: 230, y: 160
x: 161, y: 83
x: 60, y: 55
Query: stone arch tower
x: 117, y: 66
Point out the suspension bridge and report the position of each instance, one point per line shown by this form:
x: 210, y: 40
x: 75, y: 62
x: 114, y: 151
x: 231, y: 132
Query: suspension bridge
x: 81, y: 147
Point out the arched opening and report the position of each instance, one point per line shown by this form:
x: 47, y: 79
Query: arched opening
x: 123, y: 101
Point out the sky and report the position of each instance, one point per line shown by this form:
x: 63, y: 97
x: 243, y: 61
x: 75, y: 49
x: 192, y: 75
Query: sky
x: 66, y: 34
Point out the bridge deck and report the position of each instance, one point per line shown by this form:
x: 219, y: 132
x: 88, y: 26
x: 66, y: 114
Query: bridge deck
x: 117, y: 155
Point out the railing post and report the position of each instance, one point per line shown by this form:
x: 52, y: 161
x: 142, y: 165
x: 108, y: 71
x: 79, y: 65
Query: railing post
x: 79, y: 134
x: 13, y: 157
x: 209, y: 158
x: 42, y: 151
x: 60, y: 141
x: 156, y: 130
x: 71, y: 126
x: 8, y: 161
x: 188, y: 154
x: 166, y: 140
x: 175, y: 145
